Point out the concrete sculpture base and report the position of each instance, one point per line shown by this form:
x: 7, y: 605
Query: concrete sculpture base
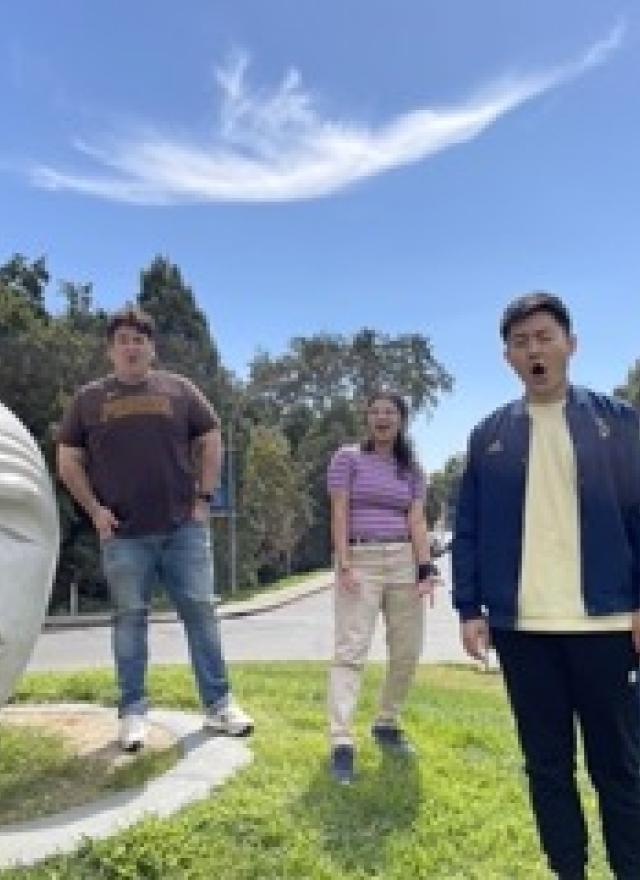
x: 205, y: 764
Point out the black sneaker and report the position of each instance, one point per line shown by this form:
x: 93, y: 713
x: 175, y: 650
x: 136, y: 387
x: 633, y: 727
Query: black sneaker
x: 392, y: 739
x: 342, y: 764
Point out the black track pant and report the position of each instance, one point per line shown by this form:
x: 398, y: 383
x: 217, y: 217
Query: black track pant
x: 554, y: 680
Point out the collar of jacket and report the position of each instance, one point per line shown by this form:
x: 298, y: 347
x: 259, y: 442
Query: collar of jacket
x: 583, y: 429
x: 580, y: 421
x: 576, y: 396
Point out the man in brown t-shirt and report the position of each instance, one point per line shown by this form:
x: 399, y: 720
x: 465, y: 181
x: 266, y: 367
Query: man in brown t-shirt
x: 140, y: 451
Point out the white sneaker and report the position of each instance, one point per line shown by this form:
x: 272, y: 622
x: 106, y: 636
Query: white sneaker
x: 133, y: 730
x: 230, y: 720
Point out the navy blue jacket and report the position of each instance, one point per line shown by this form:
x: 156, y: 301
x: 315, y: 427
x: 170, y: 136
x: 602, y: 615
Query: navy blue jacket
x: 487, y: 545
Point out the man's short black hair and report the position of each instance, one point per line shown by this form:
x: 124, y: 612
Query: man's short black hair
x: 131, y: 316
x: 531, y: 303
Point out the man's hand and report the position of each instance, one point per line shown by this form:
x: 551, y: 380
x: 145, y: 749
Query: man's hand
x: 475, y: 638
x: 635, y: 630
x: 201, y: 511
x: 104, y: 522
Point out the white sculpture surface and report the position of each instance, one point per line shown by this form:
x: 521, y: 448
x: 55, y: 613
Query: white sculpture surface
x: 29, y: 543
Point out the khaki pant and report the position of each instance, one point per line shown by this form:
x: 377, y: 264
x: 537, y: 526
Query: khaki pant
x: 387, y: 576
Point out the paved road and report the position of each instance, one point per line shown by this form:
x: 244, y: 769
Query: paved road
x: 300, y: 631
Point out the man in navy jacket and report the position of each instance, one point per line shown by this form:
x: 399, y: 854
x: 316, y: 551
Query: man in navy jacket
x: 546, y: 567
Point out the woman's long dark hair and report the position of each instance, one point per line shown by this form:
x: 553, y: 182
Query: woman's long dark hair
x: 402, y: 448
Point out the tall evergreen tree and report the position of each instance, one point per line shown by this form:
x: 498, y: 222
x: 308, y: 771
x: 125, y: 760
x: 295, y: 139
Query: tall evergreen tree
x: 184, y: 342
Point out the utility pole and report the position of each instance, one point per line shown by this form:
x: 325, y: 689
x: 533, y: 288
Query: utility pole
x: 74, y: 605
x: 233, y: 534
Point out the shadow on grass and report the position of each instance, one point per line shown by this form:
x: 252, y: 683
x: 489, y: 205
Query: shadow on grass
x: 354, y: 822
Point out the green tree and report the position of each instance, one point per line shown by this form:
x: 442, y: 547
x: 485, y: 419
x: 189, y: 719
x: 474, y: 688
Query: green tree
x: 29, y: 354
x: 81, y: 312
x: 443, y: 490
x: 44, y: 360
x: 317, y: 370
x: 165, y: 296
x: 316, y: 393
x: 184, y: 343
x: 341, y: 424
x: 16, y: 315
x: 28, y: 279
x: 631, y: 389
x: 275, y: 507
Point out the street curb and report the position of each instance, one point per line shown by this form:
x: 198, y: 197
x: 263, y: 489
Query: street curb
x: 206, y: 762
x: 278, y: 598
x: 271, y: 601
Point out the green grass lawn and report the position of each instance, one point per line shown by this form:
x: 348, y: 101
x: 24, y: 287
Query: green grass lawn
x: 458, y: 813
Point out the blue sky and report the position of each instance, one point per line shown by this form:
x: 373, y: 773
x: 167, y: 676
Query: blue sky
x: 323, y: 166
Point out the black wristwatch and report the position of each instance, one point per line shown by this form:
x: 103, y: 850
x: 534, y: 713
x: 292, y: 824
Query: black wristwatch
x: 427, y: 570
x: 205, y: 496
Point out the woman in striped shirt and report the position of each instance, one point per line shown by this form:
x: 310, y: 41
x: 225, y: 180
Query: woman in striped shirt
x: 382, y: 563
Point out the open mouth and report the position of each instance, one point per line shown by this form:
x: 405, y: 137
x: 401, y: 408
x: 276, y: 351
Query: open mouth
x: 538, y: 369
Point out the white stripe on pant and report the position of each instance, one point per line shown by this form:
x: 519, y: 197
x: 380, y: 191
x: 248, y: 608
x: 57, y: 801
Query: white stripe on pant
x: 387, y: 583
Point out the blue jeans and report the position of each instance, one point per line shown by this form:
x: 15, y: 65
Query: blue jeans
x: 182, y: 561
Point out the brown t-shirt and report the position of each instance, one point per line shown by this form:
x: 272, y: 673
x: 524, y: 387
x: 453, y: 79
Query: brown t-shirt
x: 138, y: 442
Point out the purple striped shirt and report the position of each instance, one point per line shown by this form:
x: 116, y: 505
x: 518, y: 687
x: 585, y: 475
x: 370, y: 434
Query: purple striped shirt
x: 379, y: 499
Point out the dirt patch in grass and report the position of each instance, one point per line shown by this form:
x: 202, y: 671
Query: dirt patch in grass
x: 88, y: 734
x: 52, y: 760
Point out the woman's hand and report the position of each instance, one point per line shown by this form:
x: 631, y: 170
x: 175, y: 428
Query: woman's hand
x: 428, y: 586
x: 348, y: 579
x: 427, y: 580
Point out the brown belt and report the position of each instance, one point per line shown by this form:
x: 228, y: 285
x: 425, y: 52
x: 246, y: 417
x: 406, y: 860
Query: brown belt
x: 391, y: 539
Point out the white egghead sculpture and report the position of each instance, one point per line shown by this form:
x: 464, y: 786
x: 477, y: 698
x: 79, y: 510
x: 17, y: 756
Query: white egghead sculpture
x: 29, y: 543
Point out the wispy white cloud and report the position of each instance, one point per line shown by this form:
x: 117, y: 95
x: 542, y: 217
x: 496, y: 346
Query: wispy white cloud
x: 273, y: 147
